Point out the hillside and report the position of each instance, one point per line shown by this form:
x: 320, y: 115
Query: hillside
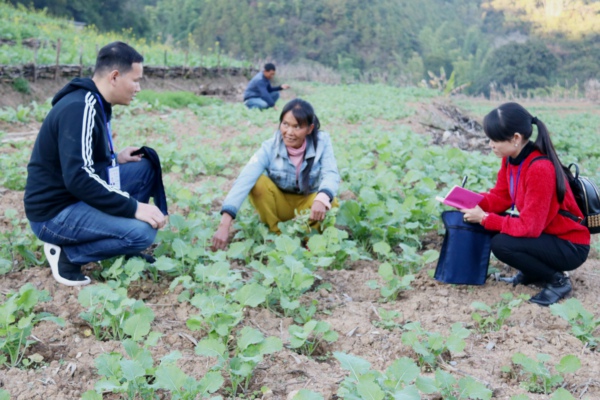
x: 524, y: 45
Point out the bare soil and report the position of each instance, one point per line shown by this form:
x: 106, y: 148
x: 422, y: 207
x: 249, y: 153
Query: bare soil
x: 350, y: 307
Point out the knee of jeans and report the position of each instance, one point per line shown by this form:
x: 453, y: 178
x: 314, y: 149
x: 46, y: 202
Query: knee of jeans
x: 142, y: 236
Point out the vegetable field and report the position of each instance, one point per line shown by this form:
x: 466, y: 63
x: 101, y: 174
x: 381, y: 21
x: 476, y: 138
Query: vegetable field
x: 354, y: 314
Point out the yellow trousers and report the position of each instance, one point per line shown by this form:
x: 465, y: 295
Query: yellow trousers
x: 274, y: 206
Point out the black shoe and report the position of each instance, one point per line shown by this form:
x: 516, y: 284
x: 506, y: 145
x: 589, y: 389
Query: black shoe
x: 149, y: 259
x: 518, y: 279
x: 558, y: 288
x: 63, y: 270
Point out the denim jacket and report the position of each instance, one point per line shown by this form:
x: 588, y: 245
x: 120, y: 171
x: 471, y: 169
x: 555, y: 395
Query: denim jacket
x: 273, y: 160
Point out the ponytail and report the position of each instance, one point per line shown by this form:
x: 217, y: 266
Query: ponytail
x: 544, y: 144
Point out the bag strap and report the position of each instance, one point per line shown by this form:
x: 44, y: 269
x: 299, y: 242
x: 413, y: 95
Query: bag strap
x: 574, y: 217
x: 566, y: 213
x: 562, y: 212
x: 576, y: 176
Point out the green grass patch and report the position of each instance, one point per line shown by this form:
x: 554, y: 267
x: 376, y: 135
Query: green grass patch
x: 175, y: 99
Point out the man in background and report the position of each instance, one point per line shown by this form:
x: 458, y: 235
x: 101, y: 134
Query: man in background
x: 83, y: 199
x: 259, y: 93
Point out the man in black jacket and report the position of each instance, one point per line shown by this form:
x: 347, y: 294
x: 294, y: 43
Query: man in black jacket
x: 84, y: 200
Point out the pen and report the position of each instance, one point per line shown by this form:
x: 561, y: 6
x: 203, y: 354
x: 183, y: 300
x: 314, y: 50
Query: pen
x: 464, y: 181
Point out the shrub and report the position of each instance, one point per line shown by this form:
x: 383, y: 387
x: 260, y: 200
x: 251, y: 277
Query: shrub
x: 175, y: 99
x: 21, y: 85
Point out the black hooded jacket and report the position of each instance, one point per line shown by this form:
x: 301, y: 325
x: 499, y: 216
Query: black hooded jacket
x: 70, y: 156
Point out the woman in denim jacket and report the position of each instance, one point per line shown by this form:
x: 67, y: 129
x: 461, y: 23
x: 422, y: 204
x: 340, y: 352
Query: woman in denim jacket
x: 293, y: 171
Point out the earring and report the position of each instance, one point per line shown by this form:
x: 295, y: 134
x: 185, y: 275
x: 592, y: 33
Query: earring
x: 516, y: 145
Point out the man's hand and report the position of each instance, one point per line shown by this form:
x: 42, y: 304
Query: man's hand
x: 125, y: 156
x: 221, y: 238
x: 151, y: 214
x: 285, y: 86
x: 317, y: 211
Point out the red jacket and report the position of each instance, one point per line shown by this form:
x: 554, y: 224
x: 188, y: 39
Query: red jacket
x: 536, y: 200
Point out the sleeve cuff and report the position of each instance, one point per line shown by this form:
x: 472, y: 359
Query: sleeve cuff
x: 322, y: 197
x: 229, y: 210
x: 328, y: 193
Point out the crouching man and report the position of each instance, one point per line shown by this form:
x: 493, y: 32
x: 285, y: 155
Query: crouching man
x: 84, y: 200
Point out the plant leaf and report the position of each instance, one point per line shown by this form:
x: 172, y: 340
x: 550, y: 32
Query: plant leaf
x: 368, y: 389
x: 356, y: 365
x: 562, y: 394
x: 131, y: 369
x: 251, y: 295
x: 211, y: 348
x: 170, y: 377
x: 137, y: 326
x: 568, y: 364
x: 305, y: 394
x: 249, y: 336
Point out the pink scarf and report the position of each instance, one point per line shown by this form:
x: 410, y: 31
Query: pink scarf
x: 297, y: 156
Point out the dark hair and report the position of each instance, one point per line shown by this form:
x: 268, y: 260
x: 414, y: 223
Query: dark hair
x: 117, y: 55
x: 305, y: 115
x: 501, y: 124
x: 269, y: 67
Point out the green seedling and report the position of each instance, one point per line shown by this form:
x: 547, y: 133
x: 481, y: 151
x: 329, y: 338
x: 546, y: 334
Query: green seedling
x: 125, y: 272
x: 249, y: 349
x: 136, y: 375
x: 17, y: 243
x: 537, y: 376
x: 306, y: 314
x: 388, y: 319
x: 17, y: 320
x: 112, y: 315
x: 432, y: 346
x: 493, y: 318
x: 393, y: 284
x: 307, y: 338
x: 221, y: 313
x: 331, y: 249
x: 402, y: 380
x: 583, y: 323
x: 288, y: 274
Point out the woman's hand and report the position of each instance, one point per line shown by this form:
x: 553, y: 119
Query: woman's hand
x: 221, y: 238
x: 473, y: 215
x: 317, y: 211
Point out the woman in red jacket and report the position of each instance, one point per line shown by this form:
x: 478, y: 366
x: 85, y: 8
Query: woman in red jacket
x: 533, y: 236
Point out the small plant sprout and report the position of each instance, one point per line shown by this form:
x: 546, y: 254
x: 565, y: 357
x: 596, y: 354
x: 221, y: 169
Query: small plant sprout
x: 492, y: 318
x: 388, y: 319
x: 583, y: 323
x: 537, y: 377
x: 17, y: 320
x: 307, y: 338
x: 431, y: 347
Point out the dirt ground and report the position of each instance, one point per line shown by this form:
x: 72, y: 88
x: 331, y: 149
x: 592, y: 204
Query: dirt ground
x: 350, y: 307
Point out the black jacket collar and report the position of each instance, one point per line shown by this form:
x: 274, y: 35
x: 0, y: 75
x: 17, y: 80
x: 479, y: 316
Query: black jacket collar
x: 527, y: 150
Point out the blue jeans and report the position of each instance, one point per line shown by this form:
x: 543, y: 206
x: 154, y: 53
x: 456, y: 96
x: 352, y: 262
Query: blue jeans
x: 87, y: 234
x: 257, y: 102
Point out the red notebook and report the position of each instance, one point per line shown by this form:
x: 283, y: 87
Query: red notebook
x: 459, y: 197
